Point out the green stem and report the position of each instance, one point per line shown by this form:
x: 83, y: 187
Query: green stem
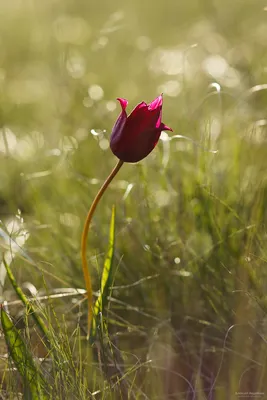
x: 86, y: 274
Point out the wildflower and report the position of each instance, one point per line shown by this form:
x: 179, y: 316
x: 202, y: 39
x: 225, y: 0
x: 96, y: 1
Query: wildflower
x: 133, y: 137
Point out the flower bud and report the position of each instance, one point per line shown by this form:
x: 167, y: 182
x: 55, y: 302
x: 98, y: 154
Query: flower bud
x: 133, y: 137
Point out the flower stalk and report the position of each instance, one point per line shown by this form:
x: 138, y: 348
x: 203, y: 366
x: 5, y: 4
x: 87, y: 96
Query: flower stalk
x: 133, y: 137
x: 86, y: 273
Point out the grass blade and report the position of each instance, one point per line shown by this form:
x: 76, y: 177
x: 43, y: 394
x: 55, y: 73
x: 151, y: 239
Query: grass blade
x: 106, y: 279
x: 29, y: 306
x: 22, y: 358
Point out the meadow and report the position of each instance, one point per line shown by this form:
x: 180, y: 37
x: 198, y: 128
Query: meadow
x: 185, y: 314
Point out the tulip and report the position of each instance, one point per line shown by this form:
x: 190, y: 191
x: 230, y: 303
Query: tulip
x: 133, y: 137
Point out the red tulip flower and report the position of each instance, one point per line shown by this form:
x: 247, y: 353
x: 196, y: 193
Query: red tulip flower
x: 133, y: 137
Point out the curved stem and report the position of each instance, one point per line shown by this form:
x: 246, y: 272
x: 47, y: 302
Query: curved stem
x: 86, y: 274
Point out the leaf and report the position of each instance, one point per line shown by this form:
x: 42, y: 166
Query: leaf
x: 106, y: 279
x: 28, y: 305
x: 22, y: 358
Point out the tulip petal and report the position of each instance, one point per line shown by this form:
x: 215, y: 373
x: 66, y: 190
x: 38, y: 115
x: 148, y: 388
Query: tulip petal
x: 142, y: 119
x: 139, y: 107
x: 155, y: 104
x: 158, y: 122
x: 123, y: 102
x: 119, y: 124
x: 164, y: 127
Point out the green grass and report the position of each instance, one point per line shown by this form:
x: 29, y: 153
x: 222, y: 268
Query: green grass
x: 186, y: 316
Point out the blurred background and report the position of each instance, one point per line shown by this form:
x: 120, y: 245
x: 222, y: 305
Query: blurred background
x: 190, y: 284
